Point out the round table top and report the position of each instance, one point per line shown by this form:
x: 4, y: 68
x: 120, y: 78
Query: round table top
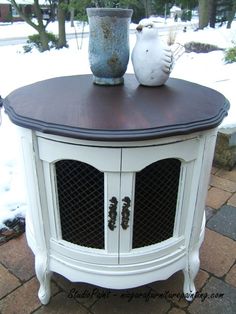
x: 73, y: 106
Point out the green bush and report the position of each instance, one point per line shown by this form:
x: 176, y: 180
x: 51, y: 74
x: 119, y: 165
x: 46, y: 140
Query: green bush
x: 198, y: 47
x: 34, y: 41
x: 230, y: 55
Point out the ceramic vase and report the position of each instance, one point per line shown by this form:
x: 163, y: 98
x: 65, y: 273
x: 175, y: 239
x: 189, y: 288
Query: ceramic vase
x: 108, y: 44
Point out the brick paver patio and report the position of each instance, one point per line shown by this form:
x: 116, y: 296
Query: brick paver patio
x: 215, y: 282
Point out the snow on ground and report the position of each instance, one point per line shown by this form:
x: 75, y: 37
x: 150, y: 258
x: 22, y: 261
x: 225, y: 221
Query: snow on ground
x: 209, y: 69
x: 21, y: 29
x: 19, y: 69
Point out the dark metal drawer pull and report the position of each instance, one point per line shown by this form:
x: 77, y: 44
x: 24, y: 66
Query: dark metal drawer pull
x: 125, y: 212
x: 112, y: 213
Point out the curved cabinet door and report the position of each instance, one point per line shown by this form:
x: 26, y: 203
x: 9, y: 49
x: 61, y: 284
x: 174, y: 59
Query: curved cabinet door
x: 83, y: 212
x: 158, y: 203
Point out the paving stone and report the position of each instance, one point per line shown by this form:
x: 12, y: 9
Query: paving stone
x: 172, y: 289
x: 23, y: 300
x: 87, y: 294
x: 232, y: 200
x: 201, y: 279
x: 223, y: 184
x: 231, y: 276
x: 230, y: 175
x: 224, y: 221
x: 84, y: 293
x: 18, y: 258
x: 217, y: 197
x: 133, y: 301
x: 61, y: 304
x: 215, y: 302
x: 176, y: 310
x: 217, y: 253
x: 209, y: 212
x: 214, y: 169
x: 8, y: 282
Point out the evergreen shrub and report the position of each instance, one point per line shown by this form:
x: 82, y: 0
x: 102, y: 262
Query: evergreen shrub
x: 230, y: 55
x: 34, y: 41
x: 199, y: 47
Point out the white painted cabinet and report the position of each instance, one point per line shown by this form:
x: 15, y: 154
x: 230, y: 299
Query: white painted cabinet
x: 117, y: 215
x: 117, y: 178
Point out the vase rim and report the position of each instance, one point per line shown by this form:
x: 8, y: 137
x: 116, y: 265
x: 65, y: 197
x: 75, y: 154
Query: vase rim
x: 109, y: 12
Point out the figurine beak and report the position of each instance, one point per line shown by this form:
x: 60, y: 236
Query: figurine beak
x: 139, y: 28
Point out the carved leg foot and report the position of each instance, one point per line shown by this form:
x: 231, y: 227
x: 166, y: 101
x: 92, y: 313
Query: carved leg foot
x: 190, y: 273
x: 44, y: 278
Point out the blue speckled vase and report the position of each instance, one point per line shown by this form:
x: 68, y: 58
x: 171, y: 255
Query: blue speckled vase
x: 108, y: 44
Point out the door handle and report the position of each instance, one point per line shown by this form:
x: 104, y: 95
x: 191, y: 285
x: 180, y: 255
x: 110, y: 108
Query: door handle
x: 125, y: 212
x: 112, y: 213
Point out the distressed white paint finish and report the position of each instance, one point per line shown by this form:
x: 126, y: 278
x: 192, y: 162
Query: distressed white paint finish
x: 118, y: 265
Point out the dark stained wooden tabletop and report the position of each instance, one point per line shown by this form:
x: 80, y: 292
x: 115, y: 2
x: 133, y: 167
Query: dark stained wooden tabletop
x: 74, y: 107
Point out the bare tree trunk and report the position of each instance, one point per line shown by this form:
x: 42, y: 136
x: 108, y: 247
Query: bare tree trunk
x: 147, y: 7
x: 203, y: 13
x: 44, y: 40
x: 231, y: 14
x: 212, y: 12
x: 72, y: 16
x: 61, y: 25
x: 41, y: 28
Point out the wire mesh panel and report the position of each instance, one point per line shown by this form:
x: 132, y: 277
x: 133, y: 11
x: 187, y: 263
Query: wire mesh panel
x: 156, y: 190
x: 81, y: 203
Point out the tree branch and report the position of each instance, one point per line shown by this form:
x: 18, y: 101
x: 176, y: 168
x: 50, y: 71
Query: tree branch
x: 22, y: 15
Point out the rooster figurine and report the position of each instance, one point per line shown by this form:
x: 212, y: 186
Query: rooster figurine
x: 152, y: 59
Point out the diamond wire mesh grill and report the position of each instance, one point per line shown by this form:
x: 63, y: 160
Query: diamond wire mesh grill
x: 81, y: 203
x: 156, y: 190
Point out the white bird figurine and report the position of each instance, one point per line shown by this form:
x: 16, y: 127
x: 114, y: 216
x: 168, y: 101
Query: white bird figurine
x: 152, y: 59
